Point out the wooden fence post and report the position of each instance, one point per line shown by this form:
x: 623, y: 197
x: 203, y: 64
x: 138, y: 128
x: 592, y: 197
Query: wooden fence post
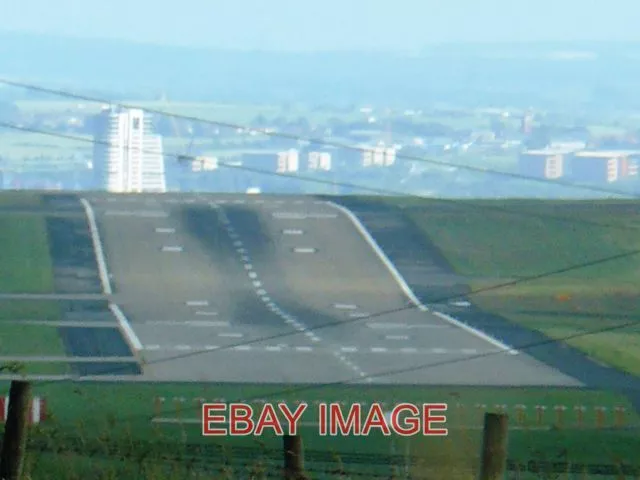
x: 15, y: 431
x: 293, y: 458
x: 494, y: 447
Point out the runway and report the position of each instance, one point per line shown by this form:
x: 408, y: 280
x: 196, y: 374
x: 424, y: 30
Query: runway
x: 282, y: 290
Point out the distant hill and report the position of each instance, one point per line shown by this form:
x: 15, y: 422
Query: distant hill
x: 480, y: 74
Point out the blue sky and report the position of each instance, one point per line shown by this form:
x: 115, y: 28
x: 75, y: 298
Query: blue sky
x: 327, y: 24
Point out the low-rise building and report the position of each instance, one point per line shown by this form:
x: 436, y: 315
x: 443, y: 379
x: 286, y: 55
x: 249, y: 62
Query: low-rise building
x: 544, y: 163
x: 603, y: 166
x: 288, y: 161
x: 319, y: 161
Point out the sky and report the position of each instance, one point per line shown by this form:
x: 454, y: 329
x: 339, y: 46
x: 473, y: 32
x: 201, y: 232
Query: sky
x: 307, y: 25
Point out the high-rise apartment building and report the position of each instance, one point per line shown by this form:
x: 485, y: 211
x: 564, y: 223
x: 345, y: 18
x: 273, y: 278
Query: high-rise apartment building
x: 128, y: 157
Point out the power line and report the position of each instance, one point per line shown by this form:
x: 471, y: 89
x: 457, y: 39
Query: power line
x: 582, y: 265
x: 430, y: 365
x: 319, y: 141
x: 362, y: 188
x: 377, y: 191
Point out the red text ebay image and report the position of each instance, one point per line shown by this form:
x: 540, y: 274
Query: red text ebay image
x: 404, y: 419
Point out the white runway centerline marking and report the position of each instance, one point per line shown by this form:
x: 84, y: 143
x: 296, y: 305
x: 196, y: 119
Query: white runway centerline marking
x: 231, y: 335
x: 206, y: 314
x: 397, y: 337
x: 253, y: 275
x: 345, y: 306
x: 198, y: 303
x: 172, y: 249
x: 304, y: 250
x: 289, y: 216
x: 409, y: 350
x: 292, y: 231
x: 165, y: 230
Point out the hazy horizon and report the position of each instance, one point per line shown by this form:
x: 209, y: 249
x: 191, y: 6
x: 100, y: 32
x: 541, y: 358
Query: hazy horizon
x: 360, y: 25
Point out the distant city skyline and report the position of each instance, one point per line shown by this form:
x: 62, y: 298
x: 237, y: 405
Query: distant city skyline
x: 294, y: 25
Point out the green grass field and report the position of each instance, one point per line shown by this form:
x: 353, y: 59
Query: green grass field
x: 95, y: 424
x: 25, y: 263
x: 29, y: 340
x: 493, y: 248
x: 115, y: 420
x: 25, y: 267
x: 29, y: 310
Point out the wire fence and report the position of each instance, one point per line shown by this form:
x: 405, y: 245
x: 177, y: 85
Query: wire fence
x: 136, y: 459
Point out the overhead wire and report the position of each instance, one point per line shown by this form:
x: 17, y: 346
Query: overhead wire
x: 39, y: 131
x: 360, y: 187
x: 343, y: 322
x: 483, y: 206
x: 298, y: 138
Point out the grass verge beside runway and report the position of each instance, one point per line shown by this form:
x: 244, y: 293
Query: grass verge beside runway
x: 30, y: 340
x: 20, y: 199
x: 486, y: 244
x: 30, y: 310
x: 25, y: 262
x: 132, y: 406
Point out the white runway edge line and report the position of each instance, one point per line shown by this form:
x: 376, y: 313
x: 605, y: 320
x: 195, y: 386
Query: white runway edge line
x: 126, y: 327
x: 407, y: 290
x: 97, y: 247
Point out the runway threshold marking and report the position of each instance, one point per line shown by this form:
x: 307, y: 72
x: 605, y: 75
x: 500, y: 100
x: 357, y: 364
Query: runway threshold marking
x: 339, y: 353
x: 187, y: 323
x: 404, y: 326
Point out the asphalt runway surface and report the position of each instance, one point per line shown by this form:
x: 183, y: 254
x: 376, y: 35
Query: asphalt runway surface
x: 281, y: 290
